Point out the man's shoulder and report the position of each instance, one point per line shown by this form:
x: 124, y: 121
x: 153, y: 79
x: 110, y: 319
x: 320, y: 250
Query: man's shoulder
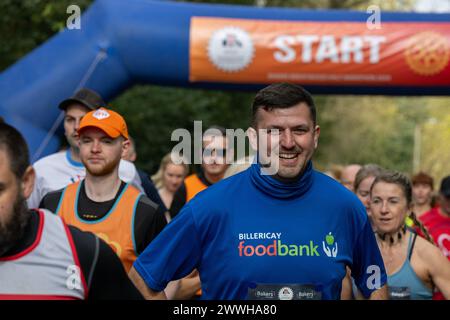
x: 84, y: 240
x: 55, y: 193
x: 144, y: 206
x: 75, y: 233
x: 129, y: 173
x: 145, y: 203
x: 51, y: 200
x: 127, y: 166
x: 87, y: 246
x: 51, y: 159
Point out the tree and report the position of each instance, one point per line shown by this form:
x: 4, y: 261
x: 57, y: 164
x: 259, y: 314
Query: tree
x: 435, y: 139
x: 26, y: 24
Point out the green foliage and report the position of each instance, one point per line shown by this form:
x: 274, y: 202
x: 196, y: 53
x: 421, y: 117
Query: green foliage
x: 363, y: 130
x: 435, y: 139
x: 25, y: 24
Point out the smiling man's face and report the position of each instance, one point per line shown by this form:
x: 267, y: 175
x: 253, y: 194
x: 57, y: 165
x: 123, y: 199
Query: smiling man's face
x: 292, y: 138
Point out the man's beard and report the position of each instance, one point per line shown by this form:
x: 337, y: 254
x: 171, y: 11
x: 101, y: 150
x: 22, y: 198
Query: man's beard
x: 99, y: 171
x: 14, y: 229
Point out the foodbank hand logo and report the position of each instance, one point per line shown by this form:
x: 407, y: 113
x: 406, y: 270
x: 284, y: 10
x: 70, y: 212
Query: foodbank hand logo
x: 330, y: 247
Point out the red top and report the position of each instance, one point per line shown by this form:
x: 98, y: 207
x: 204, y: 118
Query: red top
x: 439, y: 228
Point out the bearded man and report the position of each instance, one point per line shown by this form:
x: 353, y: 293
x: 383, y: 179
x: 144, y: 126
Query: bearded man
x: 102, y: 203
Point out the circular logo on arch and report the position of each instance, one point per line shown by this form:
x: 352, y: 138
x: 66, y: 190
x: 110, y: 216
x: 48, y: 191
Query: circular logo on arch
x: 230, y: 49
x: 428, y: 53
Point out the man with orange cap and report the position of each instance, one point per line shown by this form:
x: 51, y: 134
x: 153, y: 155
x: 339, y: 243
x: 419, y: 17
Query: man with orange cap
x: 102, y: 203
x: 57, y: 170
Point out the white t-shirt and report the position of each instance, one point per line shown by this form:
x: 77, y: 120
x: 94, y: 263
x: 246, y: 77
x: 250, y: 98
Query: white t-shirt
x: 57, y: 170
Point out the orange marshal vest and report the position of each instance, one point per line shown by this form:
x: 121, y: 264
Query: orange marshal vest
x: 116, y: 228
x: 193, y: 186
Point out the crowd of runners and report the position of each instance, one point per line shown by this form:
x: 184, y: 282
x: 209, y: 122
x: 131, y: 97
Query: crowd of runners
x: 85, y: 223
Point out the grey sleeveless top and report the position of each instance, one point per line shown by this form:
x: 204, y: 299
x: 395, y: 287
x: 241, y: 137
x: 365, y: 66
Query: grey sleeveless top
x: 48, y: 269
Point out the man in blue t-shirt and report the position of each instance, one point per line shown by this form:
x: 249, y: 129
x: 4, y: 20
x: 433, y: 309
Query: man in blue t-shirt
x: 279, y: 230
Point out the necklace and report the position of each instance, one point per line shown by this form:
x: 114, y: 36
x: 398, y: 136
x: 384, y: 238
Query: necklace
x: 391, y: 237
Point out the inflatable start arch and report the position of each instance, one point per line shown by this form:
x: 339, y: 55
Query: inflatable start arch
x: 121, y: 43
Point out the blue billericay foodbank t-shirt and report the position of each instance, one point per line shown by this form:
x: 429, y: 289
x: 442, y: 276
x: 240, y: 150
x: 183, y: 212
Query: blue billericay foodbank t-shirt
x: 251, y: 236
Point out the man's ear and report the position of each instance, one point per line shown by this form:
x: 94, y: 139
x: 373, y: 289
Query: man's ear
x: 27, y: 183
x: 316, y: 136
x: 125, y: 147
x: 253, y: 138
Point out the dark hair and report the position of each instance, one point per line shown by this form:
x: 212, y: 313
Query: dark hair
x: 13, y: 143
x: 445, y: 187
x: 422, y: 178
x: 282, y: 95
x: 405, y: 184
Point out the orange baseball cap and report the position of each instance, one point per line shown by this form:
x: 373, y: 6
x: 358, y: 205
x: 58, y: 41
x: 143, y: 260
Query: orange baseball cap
x: 107, y: 120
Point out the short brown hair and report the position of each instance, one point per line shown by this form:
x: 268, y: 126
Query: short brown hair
x: 282, y: 95
x: 422, y: 178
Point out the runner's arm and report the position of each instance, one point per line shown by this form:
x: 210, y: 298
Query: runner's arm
x: 148, y: 293
x: 188, y: 286
x: 171, y: 256
x: 439, y: 269
x: 347, y: 292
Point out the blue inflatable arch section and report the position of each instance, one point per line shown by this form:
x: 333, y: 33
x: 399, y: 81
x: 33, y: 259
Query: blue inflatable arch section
x: 138, y: 41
